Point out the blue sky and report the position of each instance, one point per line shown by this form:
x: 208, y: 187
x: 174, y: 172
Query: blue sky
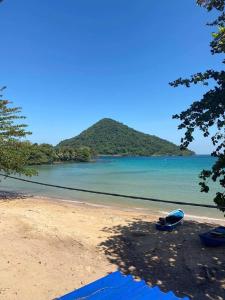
x: 70, y: 63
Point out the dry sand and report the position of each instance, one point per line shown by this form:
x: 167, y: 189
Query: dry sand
x: 49, y: 248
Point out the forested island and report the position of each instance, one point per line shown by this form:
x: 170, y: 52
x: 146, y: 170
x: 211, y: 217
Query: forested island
x: 109, y: 137
x: 106, y: 137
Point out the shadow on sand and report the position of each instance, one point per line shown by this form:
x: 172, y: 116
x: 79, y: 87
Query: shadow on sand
x: 5, y: 195
x: 172, y: 260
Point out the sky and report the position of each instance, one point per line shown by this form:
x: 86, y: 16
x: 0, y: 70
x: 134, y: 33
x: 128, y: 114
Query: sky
x: 70, y: 63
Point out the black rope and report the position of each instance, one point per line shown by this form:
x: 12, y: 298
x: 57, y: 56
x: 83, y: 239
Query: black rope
x: 112, y: 194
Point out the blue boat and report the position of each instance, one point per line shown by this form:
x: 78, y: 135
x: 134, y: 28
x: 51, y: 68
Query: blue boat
x: 116, y: 286
x: 171, y: 221
x: 213, y: 238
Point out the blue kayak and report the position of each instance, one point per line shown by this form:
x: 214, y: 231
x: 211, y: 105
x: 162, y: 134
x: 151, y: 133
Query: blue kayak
x: 171, y: 221
x: 213, y: 238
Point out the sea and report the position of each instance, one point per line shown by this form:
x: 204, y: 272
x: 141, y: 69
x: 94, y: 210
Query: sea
x: 167, y: 178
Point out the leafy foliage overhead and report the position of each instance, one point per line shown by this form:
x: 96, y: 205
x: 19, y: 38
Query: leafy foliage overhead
x: 208, y: 113
x: 109, y: 137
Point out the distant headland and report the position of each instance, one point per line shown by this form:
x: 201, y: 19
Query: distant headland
x: 110, y: 137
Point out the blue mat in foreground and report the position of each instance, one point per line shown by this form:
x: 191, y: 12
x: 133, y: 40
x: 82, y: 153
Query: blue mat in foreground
x: 116, y: 286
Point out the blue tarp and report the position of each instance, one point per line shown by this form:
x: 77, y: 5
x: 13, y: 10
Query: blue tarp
x: 116, y: 286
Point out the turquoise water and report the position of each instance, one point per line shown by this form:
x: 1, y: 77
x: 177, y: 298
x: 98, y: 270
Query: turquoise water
x: 168, y: 178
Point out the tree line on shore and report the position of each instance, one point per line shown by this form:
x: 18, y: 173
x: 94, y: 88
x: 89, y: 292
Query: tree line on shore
x: 39, y: 154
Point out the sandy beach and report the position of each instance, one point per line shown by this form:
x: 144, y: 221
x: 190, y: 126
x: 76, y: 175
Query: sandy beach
x: 51, y: 247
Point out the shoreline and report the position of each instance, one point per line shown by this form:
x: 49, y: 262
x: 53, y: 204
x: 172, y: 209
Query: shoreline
x: 141, y: 210
x: 152, y: 212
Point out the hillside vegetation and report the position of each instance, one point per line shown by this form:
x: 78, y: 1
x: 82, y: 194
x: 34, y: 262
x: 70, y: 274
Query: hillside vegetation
x: 109, y: 137
x: 47, y: 154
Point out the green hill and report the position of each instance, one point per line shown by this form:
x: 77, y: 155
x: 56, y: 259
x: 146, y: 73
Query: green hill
x: 109, y: 137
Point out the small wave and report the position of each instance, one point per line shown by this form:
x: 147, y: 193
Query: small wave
x: 80, y: 202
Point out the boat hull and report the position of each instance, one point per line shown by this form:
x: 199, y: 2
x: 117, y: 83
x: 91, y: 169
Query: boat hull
x: 210, y: 240
x: 176, y: 214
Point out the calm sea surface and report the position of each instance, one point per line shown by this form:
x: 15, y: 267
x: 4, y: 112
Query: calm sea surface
x: 167, y: 178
